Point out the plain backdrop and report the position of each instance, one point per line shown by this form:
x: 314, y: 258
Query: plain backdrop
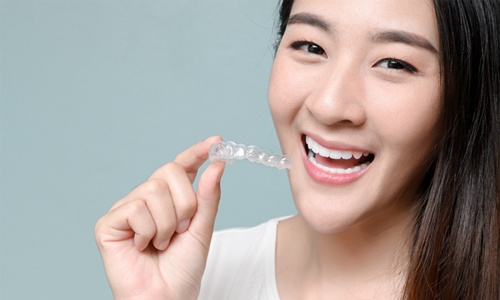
x: 95, y: 95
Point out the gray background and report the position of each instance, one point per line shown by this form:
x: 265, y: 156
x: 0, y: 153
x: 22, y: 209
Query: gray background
x: 95, y: 95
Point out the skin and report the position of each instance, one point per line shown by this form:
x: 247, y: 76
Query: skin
x: 147, y: 250
x: 348, y: 240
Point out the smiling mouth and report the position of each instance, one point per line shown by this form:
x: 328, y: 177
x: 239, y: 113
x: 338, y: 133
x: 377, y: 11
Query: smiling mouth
x: 336, y: 161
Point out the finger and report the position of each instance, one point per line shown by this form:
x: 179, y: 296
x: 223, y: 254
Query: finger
x: 208, y: 195
x: 156, y: 194
x: 191, y: 159
x: 182, y: 193
x: 132, y: 219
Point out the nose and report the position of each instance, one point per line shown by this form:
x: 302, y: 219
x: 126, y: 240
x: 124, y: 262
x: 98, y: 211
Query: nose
x: 338, y: 97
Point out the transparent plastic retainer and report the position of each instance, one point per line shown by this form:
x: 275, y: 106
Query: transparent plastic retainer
x: 230, y: 151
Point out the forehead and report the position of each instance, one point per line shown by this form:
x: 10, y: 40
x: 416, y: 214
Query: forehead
x: 369, y: 16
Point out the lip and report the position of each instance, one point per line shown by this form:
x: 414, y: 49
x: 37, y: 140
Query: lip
x: 323, y: 176
x: 333, y: 145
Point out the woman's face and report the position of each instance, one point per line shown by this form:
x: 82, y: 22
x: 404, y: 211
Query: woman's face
x: 359, y: 83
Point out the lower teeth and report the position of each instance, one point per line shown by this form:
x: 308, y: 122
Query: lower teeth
x: 336, y: 170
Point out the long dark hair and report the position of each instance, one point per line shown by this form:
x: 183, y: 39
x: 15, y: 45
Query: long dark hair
x: 456, y: 246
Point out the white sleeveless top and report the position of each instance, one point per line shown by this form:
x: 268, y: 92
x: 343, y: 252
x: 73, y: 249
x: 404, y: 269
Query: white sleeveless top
x: 241, y: 264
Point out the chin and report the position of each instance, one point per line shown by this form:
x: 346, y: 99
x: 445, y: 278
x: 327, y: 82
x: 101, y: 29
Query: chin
x: 326, y: 214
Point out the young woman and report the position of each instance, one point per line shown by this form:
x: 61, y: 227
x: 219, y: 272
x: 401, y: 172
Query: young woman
x: 390, y: 110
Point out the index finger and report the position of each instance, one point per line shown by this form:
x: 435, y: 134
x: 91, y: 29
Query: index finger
x: 192, y: 158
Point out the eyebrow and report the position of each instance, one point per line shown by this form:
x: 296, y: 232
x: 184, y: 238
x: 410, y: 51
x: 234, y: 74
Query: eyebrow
x: 398, y: 36
x: 309, y: 19
x: 392, y: 36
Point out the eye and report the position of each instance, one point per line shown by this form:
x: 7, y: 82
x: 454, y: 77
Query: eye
x: 308, y: 47
x: 393, y: 63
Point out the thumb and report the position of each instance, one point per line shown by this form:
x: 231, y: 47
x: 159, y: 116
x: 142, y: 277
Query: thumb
x: 208, y: 195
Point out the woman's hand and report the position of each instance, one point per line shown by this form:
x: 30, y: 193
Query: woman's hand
x: 154, y: 242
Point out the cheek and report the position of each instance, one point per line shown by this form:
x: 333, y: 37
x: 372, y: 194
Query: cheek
x: 285, y: 99
x: 413, y: 124
x: 276, y: 96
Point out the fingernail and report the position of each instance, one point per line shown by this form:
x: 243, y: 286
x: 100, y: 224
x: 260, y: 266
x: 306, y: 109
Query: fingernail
x: 183, y: 226
x: 164, y: 245
x: 212, y: 137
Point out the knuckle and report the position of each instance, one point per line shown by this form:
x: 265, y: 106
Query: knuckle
x: 173, y: 168
x: 167, y: 227
x: 101, y: 236
x: 101, y: 242
x: 155, y: 186
x: 164, y: 230
x: 187, y: 207
x: 136, y: 206
x: 147, y: 232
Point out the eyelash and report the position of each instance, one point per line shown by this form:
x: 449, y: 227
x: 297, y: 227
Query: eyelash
x: 298, y: 44
x: 408, y: 67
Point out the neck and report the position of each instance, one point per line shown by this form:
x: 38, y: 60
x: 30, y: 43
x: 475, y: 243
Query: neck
x: 347, y: 264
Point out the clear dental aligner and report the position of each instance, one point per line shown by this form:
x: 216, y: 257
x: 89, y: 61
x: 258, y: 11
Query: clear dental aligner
x: 230, y: 151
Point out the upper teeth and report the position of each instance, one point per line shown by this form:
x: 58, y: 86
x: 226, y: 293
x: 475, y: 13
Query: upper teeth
x: 334, y: 154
